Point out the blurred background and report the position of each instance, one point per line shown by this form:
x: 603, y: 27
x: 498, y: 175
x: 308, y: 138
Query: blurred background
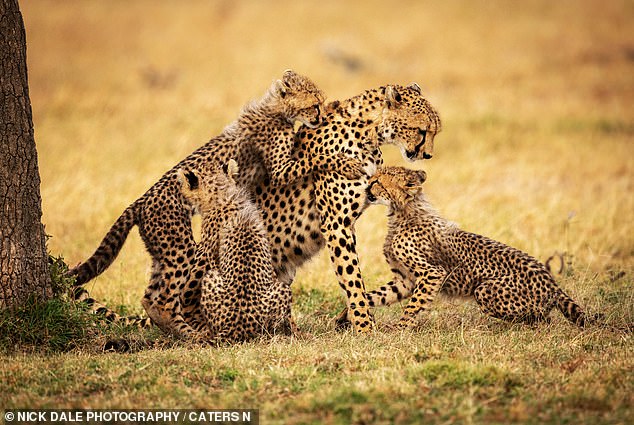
x: 535, y: 98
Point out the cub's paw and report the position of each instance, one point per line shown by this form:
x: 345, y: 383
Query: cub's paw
x: 352, y: 168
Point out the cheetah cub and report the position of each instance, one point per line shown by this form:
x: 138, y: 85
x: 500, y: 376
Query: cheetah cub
x: 428, y: 253
x: 240, y: 295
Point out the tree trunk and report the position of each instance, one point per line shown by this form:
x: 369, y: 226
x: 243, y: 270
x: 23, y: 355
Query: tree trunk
x: 23, y: 259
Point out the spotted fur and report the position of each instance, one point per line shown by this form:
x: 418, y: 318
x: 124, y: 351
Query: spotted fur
x: 241, y: 297
x: 81, y: 295
x: 429, y: 254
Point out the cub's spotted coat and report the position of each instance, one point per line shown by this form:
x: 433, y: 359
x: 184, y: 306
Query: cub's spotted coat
x: 429, y: 254
x: 241, y: 297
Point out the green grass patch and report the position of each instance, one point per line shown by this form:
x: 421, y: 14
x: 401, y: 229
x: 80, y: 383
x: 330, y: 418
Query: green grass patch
x: 447, y: 374
x: 62, y: 324
x: 55, y: 325
x: 50, y: 326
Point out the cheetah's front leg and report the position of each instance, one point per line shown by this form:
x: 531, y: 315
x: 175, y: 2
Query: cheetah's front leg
x: 283, y: 169
x: 340, y: 202
x: 345, y: 260
x: 427, y: 287
x: 392, y: 292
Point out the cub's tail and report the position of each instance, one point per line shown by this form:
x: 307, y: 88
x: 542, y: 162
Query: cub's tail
x: 573, y: 312
x: 108, y: 249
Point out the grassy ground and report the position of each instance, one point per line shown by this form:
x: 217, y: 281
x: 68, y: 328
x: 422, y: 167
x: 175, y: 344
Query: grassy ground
x: 537, y: 151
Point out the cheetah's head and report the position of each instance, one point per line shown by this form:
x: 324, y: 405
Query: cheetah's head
x: 299, y: 99
x: 409, y: 122
x: 203, y: 188
x: 395, y: 186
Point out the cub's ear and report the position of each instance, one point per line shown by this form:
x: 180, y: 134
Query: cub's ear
x: 188, y: 179
x: 392, y: 96
x: 421, y: 175
x: 289, y: 80
x: 231, y: 168
x: 415, y: 87
x: 281, y: 88
x: 332, y: 106
x: 288, y: 76
x: 415, y: 182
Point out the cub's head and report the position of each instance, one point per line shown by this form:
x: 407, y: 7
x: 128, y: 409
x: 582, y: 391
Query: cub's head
x: 395, y: 186
x: 299, y: 99
x: 409, y: 122
x: 203, y: 188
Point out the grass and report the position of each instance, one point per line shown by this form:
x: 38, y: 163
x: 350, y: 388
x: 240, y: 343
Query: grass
x: 54, y: 325
x: 536, y: 151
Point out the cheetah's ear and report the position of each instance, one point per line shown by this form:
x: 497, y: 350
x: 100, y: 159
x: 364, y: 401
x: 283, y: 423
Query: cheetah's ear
x: 188, y: 179
x: 421, y: 175
x: 415, y: 87
x: 415, y: 184
x: 281, y: 88
x: 285, y: 85
x: 288, y: 76
x: 231, y: 168
x: 332, y: 106
x: 392, y: 96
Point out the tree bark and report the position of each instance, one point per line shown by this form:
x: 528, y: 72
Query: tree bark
x: 24, y: 269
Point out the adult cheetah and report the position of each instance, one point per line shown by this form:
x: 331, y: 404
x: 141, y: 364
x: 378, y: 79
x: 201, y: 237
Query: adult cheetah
x: 428, y: 254
x: 261, y: 141
x: 240, y: 295
x: 322, y: 209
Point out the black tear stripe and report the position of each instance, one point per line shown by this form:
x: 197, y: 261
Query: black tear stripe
x: 369, y: 189
x: 422, y: 142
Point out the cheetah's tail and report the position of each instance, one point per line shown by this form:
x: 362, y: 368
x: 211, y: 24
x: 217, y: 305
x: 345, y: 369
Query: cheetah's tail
x: 108, y: 249
x: 81, y: 295
x: 573, y: 312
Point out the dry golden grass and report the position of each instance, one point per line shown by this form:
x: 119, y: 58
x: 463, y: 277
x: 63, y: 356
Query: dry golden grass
x: 537, y: 151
